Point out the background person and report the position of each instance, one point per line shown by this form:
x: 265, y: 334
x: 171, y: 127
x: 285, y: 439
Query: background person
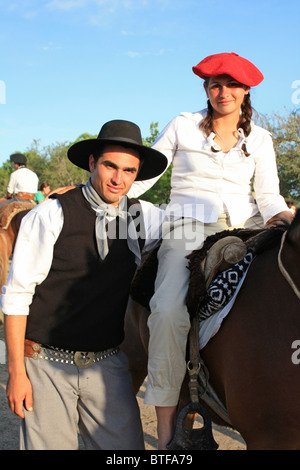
x: 42, y: 193
x: 23, y: 183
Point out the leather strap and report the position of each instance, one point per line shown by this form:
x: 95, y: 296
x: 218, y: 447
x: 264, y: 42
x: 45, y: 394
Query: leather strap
x: 26, y: 196
x: 194, y: 363
x: 32, y: 349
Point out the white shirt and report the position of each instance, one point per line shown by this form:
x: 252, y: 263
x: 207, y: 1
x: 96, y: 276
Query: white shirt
x: 33, y: 252
x: 204, y: 182
x: 22, y: 180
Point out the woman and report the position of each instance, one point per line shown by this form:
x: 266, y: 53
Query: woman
x: 215, y: 154
x: 42, y: 193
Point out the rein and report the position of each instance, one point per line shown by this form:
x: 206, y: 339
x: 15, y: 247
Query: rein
x: 284, y: 271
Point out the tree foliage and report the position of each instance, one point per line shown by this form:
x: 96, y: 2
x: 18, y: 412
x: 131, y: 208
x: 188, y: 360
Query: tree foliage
x: 160, y: 192
x: 285, y: 131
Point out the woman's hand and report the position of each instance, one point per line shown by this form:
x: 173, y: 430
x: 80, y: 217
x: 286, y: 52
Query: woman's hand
x: 280, y: 218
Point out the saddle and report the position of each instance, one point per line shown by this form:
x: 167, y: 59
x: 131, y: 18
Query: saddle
x: 13, y: 208
x: 223, y: 258
x: 218, y: 253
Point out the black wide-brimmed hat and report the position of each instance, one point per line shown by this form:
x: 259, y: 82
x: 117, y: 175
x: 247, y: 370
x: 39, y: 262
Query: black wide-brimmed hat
x: 123, y: 133
x: 18, y: 158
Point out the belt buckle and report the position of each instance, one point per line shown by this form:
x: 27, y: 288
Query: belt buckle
x: 83, y: 359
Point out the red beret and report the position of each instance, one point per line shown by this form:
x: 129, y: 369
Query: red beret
x: 231, y: 64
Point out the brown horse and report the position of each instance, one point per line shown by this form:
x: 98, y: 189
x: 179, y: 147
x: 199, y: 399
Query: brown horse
x: 250, y: 359
x: 11, y: 217
x: 5, y: 252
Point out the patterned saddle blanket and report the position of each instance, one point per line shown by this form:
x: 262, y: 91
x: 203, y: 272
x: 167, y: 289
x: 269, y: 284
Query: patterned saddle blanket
x: 223, y: 287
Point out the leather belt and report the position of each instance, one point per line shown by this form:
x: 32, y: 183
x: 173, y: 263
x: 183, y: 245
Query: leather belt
x: 26, y: 196
x: 81, y: 359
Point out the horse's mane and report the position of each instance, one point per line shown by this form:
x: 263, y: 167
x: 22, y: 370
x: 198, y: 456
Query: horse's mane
x: 258, y: 240
x: 268, y: 238
x: 294, y: 230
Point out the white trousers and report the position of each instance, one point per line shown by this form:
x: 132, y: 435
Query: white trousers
x: 169, y: 321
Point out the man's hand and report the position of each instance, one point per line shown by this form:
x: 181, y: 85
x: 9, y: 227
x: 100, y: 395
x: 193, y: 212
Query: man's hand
x: 19, y: 389
x: 19, y: 394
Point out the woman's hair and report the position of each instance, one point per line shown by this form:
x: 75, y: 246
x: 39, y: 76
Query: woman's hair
x: 244, y: 123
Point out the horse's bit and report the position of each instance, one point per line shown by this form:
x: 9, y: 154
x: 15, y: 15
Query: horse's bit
x: 284, y: 271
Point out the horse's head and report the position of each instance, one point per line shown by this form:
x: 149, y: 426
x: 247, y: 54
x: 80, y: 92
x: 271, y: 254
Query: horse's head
x: 289, y: 255
x: 293, y: 235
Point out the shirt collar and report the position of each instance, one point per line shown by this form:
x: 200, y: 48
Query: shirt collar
x: 199, y: 116
x: 242, y: 140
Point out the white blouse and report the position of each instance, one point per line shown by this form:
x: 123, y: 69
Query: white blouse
x: 205, y: 183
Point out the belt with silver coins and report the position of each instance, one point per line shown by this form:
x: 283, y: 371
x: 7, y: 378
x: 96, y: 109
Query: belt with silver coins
x: 81, y: 359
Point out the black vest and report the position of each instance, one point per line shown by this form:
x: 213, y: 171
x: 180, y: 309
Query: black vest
x: 82, y: 303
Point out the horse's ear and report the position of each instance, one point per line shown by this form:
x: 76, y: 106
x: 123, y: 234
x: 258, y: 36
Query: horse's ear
x: 294, y: 230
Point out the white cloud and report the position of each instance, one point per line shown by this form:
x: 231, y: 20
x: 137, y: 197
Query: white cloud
x: 134, y: 55
x: 65, y: 5
x: 127, y: 33
x: 51, y: 47
x: 139, y: 55
x: 112, y: 5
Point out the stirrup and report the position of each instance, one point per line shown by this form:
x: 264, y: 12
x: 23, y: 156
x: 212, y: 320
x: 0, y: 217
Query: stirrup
x: 193, y: 439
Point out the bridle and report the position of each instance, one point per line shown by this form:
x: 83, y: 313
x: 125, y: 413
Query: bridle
x: 284, y: 271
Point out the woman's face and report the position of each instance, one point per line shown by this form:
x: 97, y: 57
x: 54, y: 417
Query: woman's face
x: 226, y: 95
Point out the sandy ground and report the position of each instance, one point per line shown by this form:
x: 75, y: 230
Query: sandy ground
x: 9, y: 423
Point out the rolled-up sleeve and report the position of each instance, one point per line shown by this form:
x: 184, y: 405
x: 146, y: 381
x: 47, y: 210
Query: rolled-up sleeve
x: 266, y: 181
x: 32, y: 257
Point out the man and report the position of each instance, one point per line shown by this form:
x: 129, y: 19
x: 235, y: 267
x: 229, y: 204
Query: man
x: 73, y: 264
x: 23, y: 183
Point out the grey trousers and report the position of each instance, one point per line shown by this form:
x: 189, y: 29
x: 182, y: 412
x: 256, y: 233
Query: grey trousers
x: 98, y: 402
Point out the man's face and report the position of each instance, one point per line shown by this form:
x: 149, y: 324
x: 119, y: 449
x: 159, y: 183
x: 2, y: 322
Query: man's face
x: 114, y: 172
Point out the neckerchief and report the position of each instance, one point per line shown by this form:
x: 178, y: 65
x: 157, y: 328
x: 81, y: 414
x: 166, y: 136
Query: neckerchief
x: 106, y: 213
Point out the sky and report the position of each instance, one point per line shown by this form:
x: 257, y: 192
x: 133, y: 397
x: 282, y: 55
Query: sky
x: 69, y: 66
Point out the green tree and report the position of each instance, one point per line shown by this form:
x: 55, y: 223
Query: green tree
x: 5, y: 171
x: 285, y: 132
x: 37, y: 160
x: 160, y: 191
x: 60, y: 171
x: 4, y: 178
